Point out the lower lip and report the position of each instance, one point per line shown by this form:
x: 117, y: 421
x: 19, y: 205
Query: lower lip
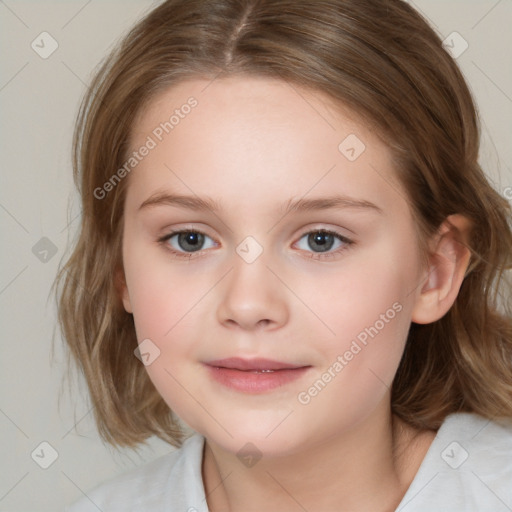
x: 252, y: 382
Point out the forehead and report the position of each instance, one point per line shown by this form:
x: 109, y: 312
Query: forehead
x: 258, y: 141
x: 247, y: 102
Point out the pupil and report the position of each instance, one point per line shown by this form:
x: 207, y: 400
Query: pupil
x: 319, y: 239
x: 190, y: 240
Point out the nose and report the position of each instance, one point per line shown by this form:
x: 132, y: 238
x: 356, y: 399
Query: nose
x: 252, y: 297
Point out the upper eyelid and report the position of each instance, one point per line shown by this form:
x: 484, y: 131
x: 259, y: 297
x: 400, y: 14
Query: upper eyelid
x: 185, y: 229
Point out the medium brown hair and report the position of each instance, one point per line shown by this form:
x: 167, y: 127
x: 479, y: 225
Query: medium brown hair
x: 381, y: 60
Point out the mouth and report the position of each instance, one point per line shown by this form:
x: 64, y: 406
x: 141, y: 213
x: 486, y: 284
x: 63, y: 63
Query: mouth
x: 253, y: 365
x: 254, y: 375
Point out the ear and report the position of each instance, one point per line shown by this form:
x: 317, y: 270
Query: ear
x: 443, y: 278
x: 122, y: 289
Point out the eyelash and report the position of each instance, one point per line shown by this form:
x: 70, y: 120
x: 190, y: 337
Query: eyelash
x: 312, y: 255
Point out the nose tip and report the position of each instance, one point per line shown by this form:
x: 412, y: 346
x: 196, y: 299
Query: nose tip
x: 251, y: 298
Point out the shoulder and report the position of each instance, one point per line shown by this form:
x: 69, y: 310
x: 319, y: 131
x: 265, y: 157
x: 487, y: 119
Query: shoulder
x: 170, y: 482
x: 467, y: 467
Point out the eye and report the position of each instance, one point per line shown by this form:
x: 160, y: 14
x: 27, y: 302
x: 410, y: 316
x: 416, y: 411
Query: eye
x: 322, y: 241
x: 186, y: 242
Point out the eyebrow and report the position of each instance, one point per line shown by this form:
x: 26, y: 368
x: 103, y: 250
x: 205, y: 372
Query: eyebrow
x: 298, y: 205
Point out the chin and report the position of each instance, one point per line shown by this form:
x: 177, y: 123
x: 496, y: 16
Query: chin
x: 257, y: 437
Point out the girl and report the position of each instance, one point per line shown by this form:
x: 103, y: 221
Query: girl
x: 288, y: 246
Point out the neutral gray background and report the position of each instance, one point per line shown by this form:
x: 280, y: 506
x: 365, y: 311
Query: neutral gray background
x: 39, y: 100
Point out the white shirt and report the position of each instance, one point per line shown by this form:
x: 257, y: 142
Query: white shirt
x: 468, y: 467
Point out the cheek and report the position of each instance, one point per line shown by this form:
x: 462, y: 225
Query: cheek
x: 167, y: 301
x: 161, y: 293
x: 370, y: 316
x: 368, y: 292
x: 365, y: 310
x: 164, y: 305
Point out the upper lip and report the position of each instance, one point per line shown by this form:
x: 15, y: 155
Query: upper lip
x: 237, y: 363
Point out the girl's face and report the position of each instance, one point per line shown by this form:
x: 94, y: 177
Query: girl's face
x: 306, y: 255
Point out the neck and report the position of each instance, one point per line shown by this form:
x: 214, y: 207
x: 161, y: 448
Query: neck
x: 368, y: 467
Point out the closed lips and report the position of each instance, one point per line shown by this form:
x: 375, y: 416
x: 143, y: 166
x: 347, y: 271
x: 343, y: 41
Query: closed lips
x: 253, y: 365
